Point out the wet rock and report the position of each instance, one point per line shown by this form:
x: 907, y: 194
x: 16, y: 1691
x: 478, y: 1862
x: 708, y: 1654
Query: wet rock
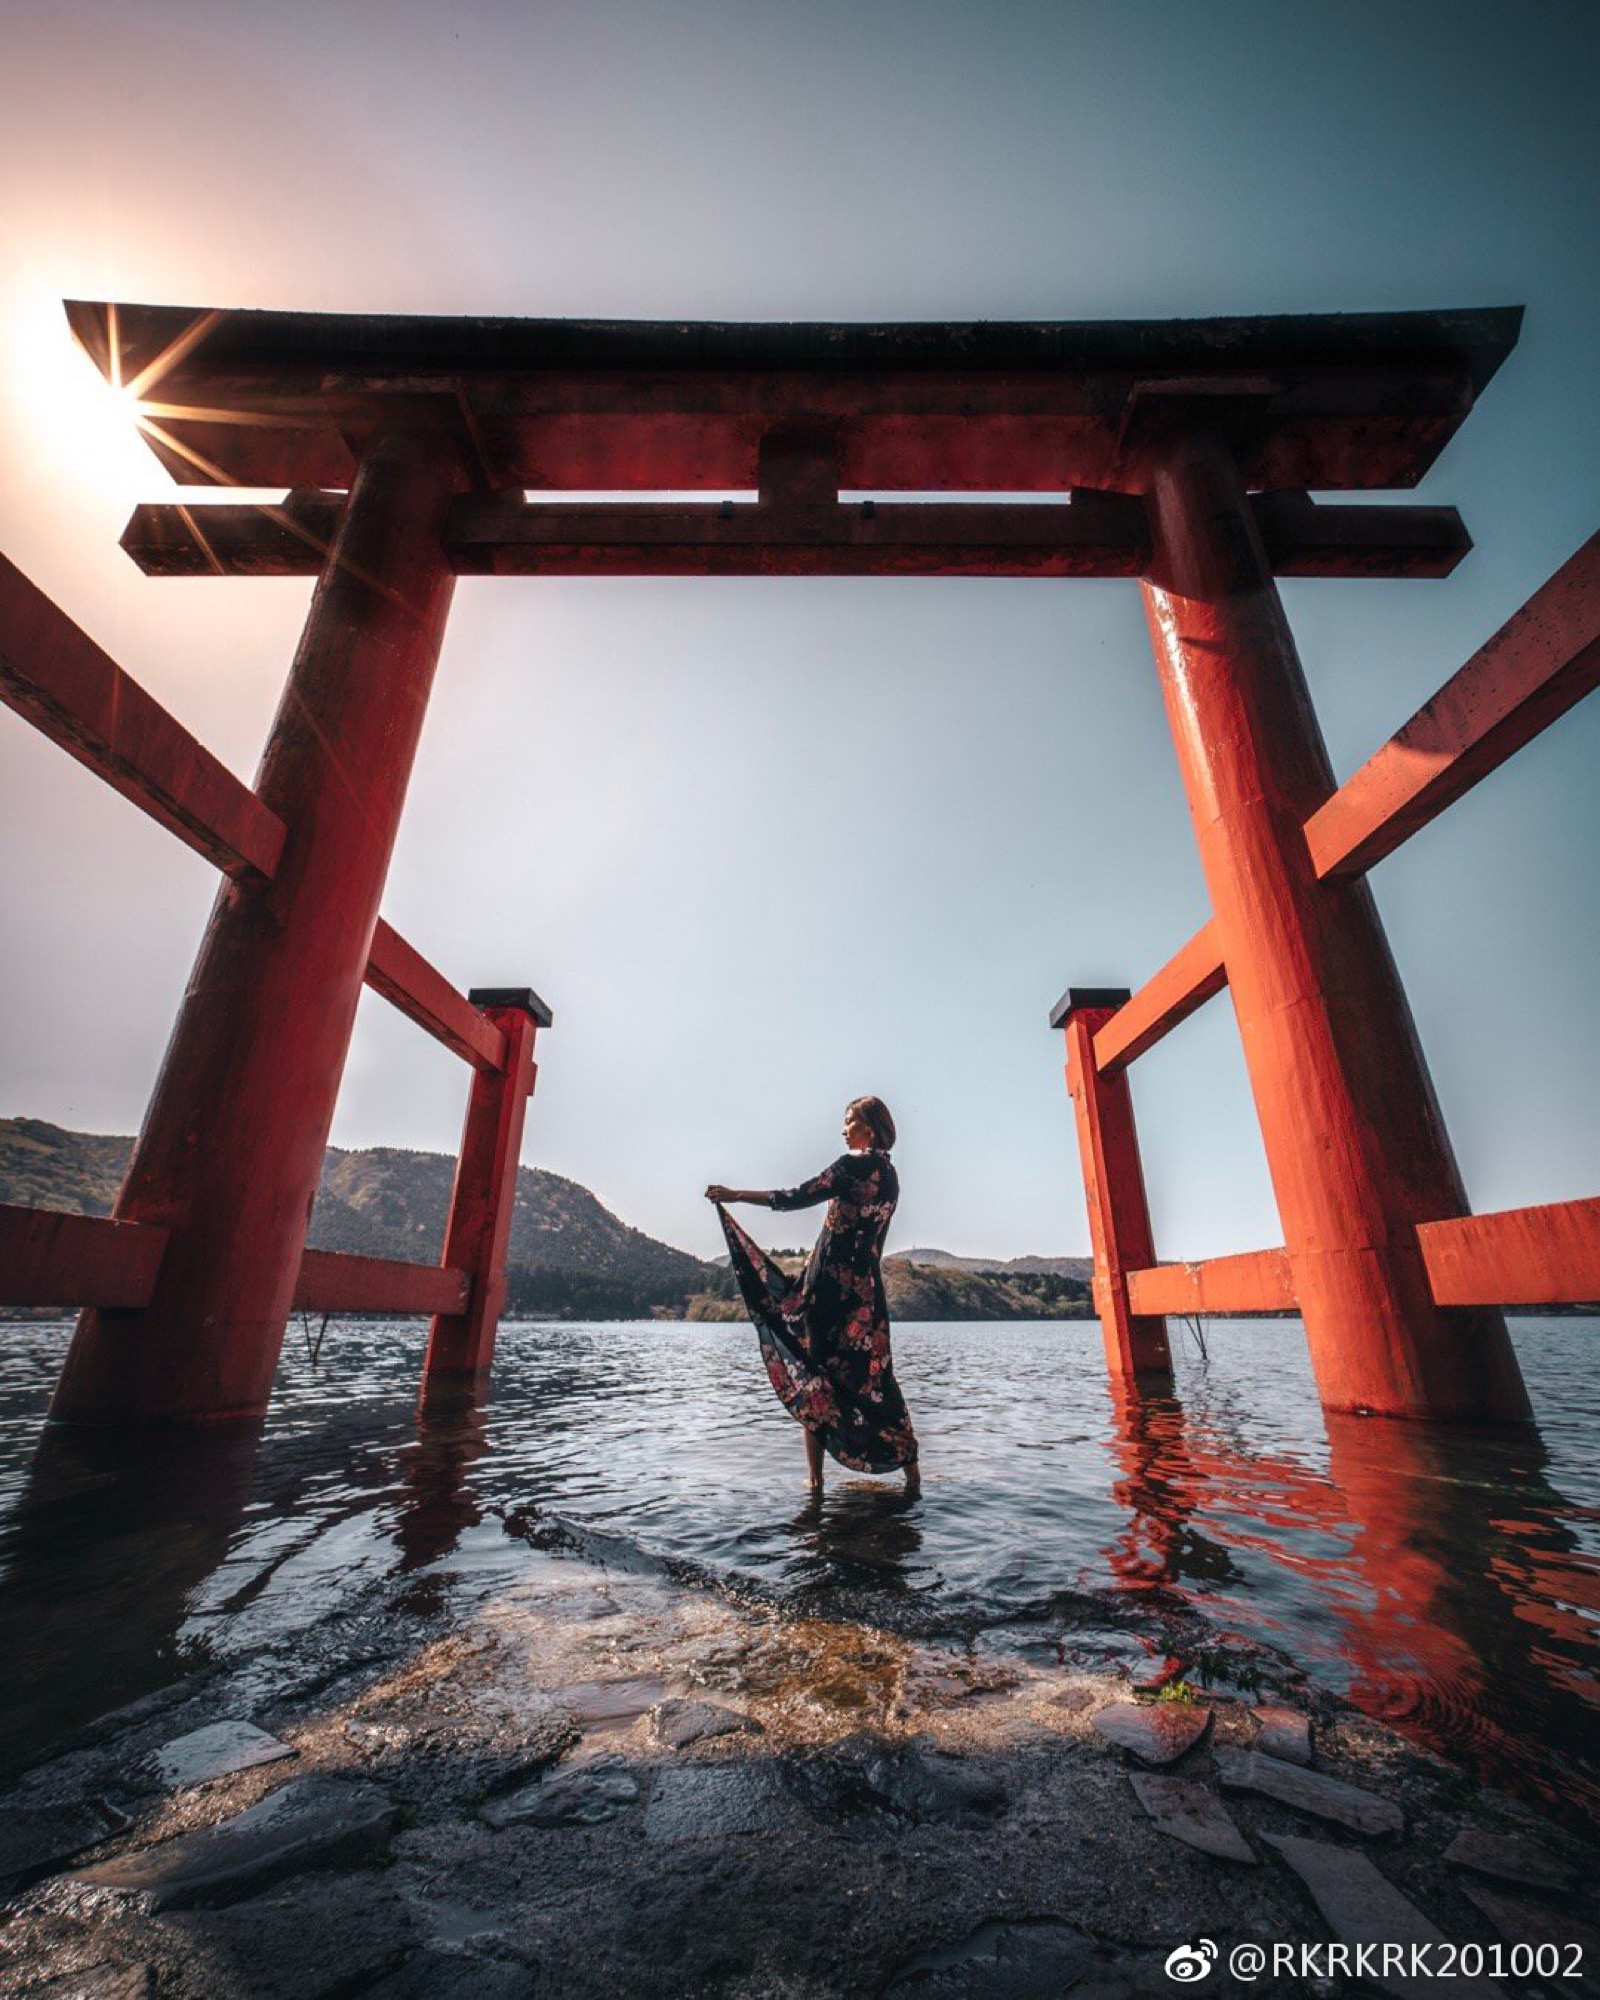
x: 712, y: 1801
x: 1285, y: 1733
x: 603, y: 1707
x: 1309, y: 1792
x: 934, y: 1679
x: 999, y: 1961
x: 680, y: 1723
x: 1190, y: 1813
x: 872, y: 1774
x: 214, y: 1752
x: 318, y: 1937
x: 312, y: 1823
x: 436, y: 1974
x: 1158, y: 1732
x: 35, y: 1839
x: 573, y: 1798
x: 1508, y: 1857
x: 1362, y: 1907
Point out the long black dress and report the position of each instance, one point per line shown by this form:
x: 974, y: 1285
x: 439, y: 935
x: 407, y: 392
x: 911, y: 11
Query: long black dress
x: 825, y: 1335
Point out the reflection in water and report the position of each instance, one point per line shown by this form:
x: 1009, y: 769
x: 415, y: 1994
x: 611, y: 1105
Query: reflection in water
x: 1443, y: 1580
x: 106, y: 1543
x: 1452, y: 1589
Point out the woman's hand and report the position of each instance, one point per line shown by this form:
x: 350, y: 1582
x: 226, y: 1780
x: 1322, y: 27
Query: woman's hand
x: 718, y: 1193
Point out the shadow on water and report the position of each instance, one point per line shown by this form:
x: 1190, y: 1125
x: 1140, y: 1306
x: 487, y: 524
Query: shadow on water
x: 107, y: 1542
x: 1452, y: 1594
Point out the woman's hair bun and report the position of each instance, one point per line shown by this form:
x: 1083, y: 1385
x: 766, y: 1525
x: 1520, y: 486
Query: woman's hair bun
x: 876, y: 1114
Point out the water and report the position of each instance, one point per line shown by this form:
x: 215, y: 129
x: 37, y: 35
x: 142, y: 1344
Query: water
x: 1444, y: 1581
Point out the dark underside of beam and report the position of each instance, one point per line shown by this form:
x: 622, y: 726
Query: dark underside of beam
x: 1340, y: 401
x: 1095, y: 534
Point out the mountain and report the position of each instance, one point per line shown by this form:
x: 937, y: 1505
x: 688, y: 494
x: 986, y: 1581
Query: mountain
x: 568, y: 1251
x: 1058, y: 1267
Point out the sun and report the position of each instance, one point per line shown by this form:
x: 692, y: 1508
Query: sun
x: 79, y: 424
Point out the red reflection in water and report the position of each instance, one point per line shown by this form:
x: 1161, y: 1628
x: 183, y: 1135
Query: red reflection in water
x: 1450, y: 1592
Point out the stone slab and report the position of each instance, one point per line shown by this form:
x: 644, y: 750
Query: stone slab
x: 571, y: 1798
x: 1157, y: 1732
x: 1284, y: 1733
x: 1361, y: 1906
x: 1508, y: 1857
x: 214, y: 1752
x: 714, y: 1801
x: 679, y: 1723
x: 1309, y: 1792
x: 312, y: 1823
x: 1192, y: 1814
x: 35, y: 1839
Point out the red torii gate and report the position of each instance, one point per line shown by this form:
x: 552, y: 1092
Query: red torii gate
x: 1187, y: 449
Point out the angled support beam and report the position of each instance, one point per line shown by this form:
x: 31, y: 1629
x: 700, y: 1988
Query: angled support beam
x: 798, y: 528
x: 405, y: 978
x: 1541, y: 662
x: 1255, y: 1281
x: 1191, y: 977
x: 55, y: 676
x: 50, y: 1258
x: 1519, y: 1257
x: 1137, y: 1354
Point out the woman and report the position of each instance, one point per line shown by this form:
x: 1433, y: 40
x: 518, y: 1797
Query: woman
x: 825, y: 1335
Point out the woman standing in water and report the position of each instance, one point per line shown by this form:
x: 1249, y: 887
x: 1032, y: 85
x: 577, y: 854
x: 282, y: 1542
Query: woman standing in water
x: 825, y: 1335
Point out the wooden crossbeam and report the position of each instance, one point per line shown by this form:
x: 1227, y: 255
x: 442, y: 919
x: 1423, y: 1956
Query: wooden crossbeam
x: 1191, y: 977
x: 50, y: 1258
x: 55, y: 676
x: 334, y: 1282
x: 1543, y: 660
x: 1517, y: 1257
x: 1095, y: 534
x: 1255, y: 1281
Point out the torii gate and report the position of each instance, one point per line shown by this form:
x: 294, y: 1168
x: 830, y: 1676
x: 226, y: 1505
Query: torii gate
x: 1187, y: 450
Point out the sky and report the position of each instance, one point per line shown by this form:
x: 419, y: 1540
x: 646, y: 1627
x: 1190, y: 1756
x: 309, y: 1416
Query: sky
x: 766, y: 844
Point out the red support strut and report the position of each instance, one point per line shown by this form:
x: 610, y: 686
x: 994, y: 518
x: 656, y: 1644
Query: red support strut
x: 1354, y: 1139
x: 1137, y: 1354
x: 461, y: 1345
x: 233, y: 1141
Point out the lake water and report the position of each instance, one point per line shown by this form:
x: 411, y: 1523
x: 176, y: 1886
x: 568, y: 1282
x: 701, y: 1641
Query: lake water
x: 1445, y: 1581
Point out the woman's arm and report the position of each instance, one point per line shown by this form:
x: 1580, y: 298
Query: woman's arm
x: 722, y: 1195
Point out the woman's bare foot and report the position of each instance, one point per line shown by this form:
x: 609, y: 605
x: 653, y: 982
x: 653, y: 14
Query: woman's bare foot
x: 913, y: 1480
x: 814, y: 1460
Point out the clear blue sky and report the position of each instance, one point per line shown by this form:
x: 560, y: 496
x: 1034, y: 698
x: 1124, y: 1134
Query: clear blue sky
x: 768, y: 844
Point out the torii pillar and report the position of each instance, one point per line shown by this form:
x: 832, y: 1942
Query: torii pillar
x: 232, y: 1145
x: 1355, y: 1143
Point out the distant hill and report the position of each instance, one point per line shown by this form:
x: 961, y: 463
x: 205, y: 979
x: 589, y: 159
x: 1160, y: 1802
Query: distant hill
x: 569, y: 1257
x: 943, y: 1260
x: 568, y: 1252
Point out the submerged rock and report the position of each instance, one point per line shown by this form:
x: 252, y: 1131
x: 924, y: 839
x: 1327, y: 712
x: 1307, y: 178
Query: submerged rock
x: 679, y: 1723
x: 214, y: 1752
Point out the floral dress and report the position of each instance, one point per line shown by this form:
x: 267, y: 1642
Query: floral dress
x: 825, y: 1335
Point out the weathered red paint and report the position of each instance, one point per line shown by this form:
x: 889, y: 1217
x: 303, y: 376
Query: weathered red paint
x: 404, y: 977
x: 1354, y: 1141
x: 232, y: 1144
x: 461, y: 1342
x: 51, y: 1258
x: 1520, y: 1256
x: 333, y: 1281
x: 1253, y: 1281
x: 1119, y: 1213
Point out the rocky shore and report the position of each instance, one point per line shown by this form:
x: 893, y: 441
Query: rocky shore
x: 608, y: 1782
